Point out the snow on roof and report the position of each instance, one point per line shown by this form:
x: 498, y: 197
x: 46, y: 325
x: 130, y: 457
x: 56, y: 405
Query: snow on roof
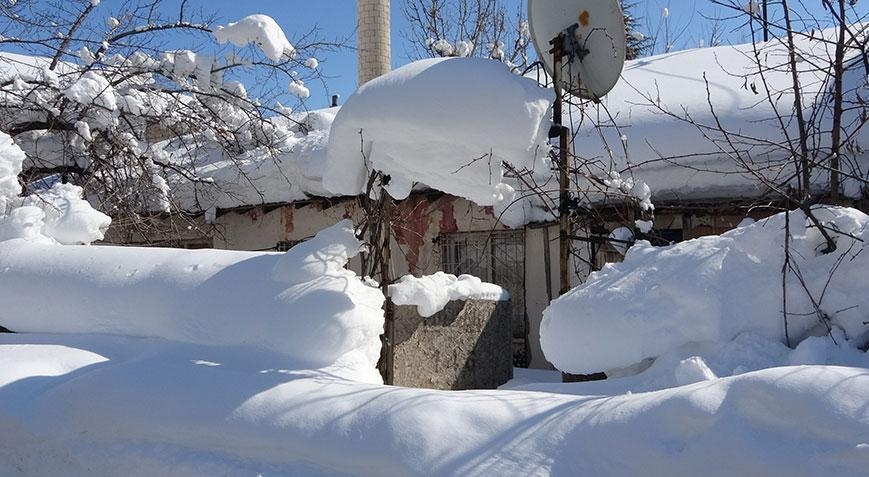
x: 678, y: 159
x: 27, y: 66
x: 291, y: 172
x: 449, y: 123
x: 640, y: 118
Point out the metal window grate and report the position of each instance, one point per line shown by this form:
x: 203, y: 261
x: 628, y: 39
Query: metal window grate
x: 285, y: 245
x: 497, y: 257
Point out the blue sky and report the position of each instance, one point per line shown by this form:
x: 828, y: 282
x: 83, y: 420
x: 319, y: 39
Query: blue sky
x: 336, y: 19
x: 689, y: 24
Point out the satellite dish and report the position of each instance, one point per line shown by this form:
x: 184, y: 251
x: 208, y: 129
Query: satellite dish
x: 594, y: 42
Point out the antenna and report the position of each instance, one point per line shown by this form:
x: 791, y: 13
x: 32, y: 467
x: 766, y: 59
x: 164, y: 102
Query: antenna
x: 582, y: 45
x: 591, y: 37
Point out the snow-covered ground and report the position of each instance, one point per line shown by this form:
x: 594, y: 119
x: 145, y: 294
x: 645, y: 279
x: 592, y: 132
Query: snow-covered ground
x: 84, y: 404
x: 175, y: 362
x: 141, y: 384
x: 715, y: 288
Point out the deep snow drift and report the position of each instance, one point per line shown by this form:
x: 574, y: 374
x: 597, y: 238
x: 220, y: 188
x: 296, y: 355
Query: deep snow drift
x: 232, y: 363
x: 416, y: 125
x: 85, y: 405
x: 712, y: 289
x: 302, y: 304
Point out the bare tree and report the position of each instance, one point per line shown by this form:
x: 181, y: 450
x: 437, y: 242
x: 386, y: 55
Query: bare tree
x: 474, y: 28
x: 98, y: 93
x: 810, y: 74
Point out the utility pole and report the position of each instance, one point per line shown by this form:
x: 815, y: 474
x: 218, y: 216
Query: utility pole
x: 765, y: 20
x: 563, y: 164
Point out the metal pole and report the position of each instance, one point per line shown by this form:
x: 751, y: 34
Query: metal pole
x: 765, y: 20
x: 563, y: 178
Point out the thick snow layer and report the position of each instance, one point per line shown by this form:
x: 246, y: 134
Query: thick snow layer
x: 101, y: 405
x: 712, y: 289
x: 55, y: 214
x: 447, y: 123
x: 261, y: 30
x: 292, y: 171
x: 11, y: 159
x: 680, y: 160
x: 301, y: 304
x: 431, y: 293
x: 67, y: 217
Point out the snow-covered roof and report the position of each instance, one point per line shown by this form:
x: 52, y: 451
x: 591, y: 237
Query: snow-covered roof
x: 712, y: 86
x: 645, y: 133
x: 677, y: 159
x: 293, y: 171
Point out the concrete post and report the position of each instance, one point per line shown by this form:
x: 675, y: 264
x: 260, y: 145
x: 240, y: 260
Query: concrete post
x: 372, y: 39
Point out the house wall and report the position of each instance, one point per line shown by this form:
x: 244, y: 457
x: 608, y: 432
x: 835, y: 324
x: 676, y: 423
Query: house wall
x: 419, y: 221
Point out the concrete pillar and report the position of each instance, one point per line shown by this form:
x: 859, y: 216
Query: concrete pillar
x: 372, y: 39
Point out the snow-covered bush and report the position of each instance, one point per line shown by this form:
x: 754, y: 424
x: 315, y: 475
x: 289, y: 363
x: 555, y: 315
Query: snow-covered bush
x: 714, y: 288
x: 92, y: 103
x: 56, y: 214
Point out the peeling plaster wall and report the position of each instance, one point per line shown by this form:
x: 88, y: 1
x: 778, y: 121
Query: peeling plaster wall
x: 419, y: 221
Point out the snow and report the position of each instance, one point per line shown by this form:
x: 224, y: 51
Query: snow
x: 431, y: 293
x: 693, y: 370
x: 84, y: 130
x: 422, y: 130
x: 261, y: 30
x: 292, y: 171
x: 11, y: 159
x: 301, y: 304
x: 713, y: 289
x: 298, y: 88
x: 57, y: 214
x: 204, y: 362
x: 92, y: 88
x: 417, y: 126
x: 103, y: 405
x: 66, y: 217
x: 681, y: 161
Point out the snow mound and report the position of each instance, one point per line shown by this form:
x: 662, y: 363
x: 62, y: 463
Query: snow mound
x: 67, y: 217
x: 261, y: 30
x: 431, y: 293
x: 417, y: 125
x: 11, y: 160
x: 83, y: 405
x: 56, y: 214
x: 326, y: 254
x: 711, y: 290
x: 318, y: 315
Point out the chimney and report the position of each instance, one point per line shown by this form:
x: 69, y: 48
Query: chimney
x: 372, y: 39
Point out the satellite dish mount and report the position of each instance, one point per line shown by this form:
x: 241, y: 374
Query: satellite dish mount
x: 588, y: 38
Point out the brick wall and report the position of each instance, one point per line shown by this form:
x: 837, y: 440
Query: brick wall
x: 372, y: 38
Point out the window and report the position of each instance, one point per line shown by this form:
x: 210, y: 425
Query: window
x: 497, y: 257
